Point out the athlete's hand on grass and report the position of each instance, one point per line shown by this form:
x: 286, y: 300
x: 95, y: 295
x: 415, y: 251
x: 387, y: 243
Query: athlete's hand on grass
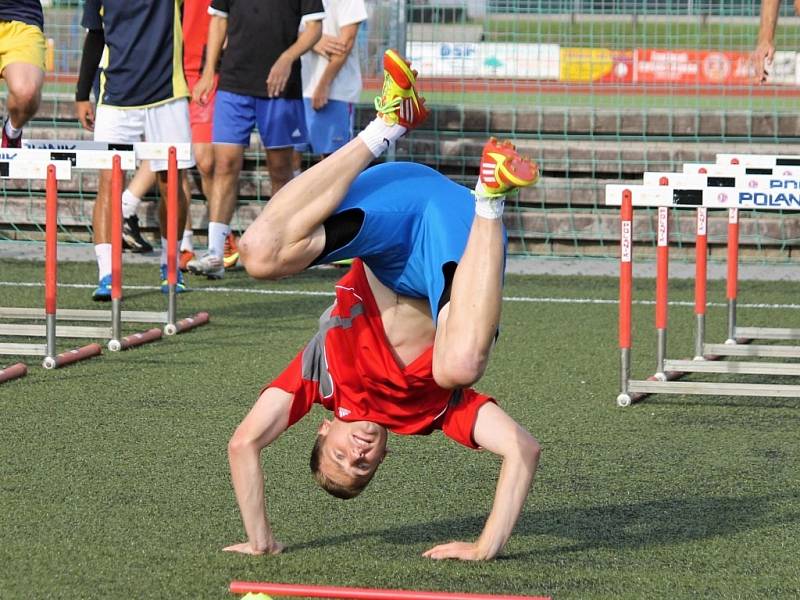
x: 761, y: 58
x: 247, y: 548
x: 459, y: 550
x: 329, y: 45
x: 202, y: 89
x: 278, y: 76
x: 85, y: 112
x: 320, y: 97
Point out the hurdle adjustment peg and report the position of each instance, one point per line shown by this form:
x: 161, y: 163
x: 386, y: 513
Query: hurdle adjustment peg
x: 170, y: 329
x: 114, y: 345
x: 624, y: 400
x: 49, y: 362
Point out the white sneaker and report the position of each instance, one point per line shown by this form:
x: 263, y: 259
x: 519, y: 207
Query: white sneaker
x: 209, y: 265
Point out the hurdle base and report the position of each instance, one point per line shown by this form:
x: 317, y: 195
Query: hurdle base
x: 13, y: 372
x: 189, y: 323
x: 73, y: 356
x: 135, y: 339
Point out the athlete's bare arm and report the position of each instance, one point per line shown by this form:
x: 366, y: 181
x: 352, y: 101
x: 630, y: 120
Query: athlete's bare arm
x: 765, y: 48
x: 217, y: 30
x: 268, y: 418
x: 336, y: 60
x: 282, y: 68
x: 497, y: 432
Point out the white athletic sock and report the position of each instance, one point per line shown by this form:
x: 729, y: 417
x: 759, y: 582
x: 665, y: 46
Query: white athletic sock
x: 488, y: 207
x: 378, y: 136
x: 129, y: 204
x: 217, y: 232
x: 103, y: 254
x: 186, y: 242
x: 12, y: 131
x: 164, y: 246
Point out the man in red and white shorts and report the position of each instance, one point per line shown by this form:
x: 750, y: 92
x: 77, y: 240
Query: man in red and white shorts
x: 412, y: 326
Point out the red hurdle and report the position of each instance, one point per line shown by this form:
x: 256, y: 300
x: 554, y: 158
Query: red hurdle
x: 352, y: 593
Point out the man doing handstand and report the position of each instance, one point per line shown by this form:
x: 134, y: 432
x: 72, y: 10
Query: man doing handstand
x: 413, y: 322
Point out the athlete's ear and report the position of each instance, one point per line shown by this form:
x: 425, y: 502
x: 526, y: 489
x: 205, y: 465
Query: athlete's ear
x: 324, y: 427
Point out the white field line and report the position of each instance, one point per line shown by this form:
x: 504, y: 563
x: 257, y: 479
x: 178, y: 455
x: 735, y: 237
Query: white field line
x: 531, y: 299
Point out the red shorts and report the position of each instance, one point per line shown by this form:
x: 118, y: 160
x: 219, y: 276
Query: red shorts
x: 201, y: 116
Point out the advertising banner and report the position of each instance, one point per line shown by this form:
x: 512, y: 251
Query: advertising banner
x: 484, y: 59
x: 587, y: 65
x: 692, y: 67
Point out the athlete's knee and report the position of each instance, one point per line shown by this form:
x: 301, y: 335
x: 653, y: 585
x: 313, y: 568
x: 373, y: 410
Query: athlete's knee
x: 227, y: 162
x: 260, y: 253
x: 459, y: 367
x: 205, y: 163
x: 26, y: 94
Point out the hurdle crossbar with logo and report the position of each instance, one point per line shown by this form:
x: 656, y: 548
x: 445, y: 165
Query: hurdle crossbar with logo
x: 707, y: 356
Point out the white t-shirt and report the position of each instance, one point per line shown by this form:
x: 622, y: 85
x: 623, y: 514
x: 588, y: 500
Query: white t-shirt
x: 346, y: 87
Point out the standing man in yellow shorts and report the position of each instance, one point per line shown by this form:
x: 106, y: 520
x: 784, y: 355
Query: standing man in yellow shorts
x: 22, y: 50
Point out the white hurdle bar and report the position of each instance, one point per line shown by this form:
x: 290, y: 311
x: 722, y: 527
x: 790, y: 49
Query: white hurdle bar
x: 663, y: 381
x: 727, y: 170
x: 83, y: 154
x: 758, y: 160
x: 48, y: 350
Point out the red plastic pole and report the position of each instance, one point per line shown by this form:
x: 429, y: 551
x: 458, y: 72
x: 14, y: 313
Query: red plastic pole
x: 626, y: 270
x: 701, y: 262
x: 51, y: 243
x: 116, y: 228
x: 13, y: 372
x: 172, y: 217
x: 733, y: 252
x: 330, y: 591
x: 71, y: 356
x: 662, y: 267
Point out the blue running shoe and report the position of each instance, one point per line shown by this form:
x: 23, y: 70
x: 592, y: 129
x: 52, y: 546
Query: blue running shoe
x: 180, y: 286
x: 103, y: 291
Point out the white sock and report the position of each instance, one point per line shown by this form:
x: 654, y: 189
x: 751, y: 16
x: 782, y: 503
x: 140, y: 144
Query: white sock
x: 488, y: 207
x: 378, y: 136
x: 12, y: 131
x: 164, y: 246
x: 217, y: 232
x: 129, y: 204
x: 186, y: 242
x: 297, y: 172
x: 103, y: 254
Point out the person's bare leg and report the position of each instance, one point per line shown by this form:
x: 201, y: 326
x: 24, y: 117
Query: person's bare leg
x: 288, y: 234
x: 162, y: 205
x: 225, y: 187
x: 187, y: 193
x: 204, y: 159
x: 468, y: 324
x: 101, y: 212
x: 142, y: 181
x: 24, y: 83
x: 280, y: 165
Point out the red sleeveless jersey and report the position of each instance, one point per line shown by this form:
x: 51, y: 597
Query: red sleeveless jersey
x: 350, y: 369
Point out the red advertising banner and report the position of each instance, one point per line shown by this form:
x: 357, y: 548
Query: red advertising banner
x: 703, y: 67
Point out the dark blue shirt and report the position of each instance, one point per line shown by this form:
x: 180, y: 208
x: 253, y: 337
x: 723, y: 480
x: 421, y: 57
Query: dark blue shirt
x: 26, y: 11
x: 143, y: 59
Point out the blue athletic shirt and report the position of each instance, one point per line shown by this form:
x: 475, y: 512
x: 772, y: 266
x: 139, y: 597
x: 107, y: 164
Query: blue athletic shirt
x: 24, y: 11
x: 142, y: 63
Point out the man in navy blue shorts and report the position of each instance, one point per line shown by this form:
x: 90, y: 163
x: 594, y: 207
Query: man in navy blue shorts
x: 412, y: 326
x: 259, y: 86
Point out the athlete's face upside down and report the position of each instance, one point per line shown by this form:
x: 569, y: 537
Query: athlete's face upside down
x: 350, y: 453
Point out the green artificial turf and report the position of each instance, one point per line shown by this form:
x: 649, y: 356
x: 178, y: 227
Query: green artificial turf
x: 114, y: 481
